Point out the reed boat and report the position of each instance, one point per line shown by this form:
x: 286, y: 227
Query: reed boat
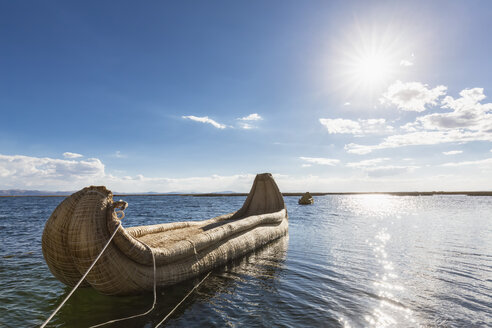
x: 80, y: 227
x: 306, y: 199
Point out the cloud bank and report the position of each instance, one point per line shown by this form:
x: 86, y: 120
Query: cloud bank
x: 466, y: 120
x: 26, y: 172
x: 18, y: 171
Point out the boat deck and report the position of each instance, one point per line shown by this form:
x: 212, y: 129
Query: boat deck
x: 167, y: 238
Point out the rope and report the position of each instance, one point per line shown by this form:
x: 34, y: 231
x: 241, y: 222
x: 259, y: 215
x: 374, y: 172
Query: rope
x: 189, y: 293
x: 142, y: 314
x: 81, y: 279
x: 194, y: 249
x: 155, y: 297
x: 155, y: 284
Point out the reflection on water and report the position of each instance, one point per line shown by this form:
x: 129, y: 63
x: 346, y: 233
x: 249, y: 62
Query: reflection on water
x: 390, y: 311
x: 383, y: 210
x: 237, y: 284
x: 351, y: 261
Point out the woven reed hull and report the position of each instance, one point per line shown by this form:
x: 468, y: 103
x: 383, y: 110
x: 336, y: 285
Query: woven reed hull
x: 82, y: 224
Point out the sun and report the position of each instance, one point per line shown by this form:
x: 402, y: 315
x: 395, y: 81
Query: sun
x: 372, y: 68
x: 367, y: 59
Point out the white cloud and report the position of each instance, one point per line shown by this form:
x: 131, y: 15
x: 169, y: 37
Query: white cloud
x: 389, y: 170
x: 483, y: 162
x: 205, y: 119
x: 246, y: 121
x: 419, y: 139
x: 399, y: 181
x: 367, y: 162
x: 246, y: 126
x: 140, y: 183
x: 320, y: 160
x: 35, y: 173
x: 468, y: 121
x: 339, y: 125
x: 412, y: 96
x: 353, y: 148
x: 72, y: 155
x: 251, y: 117
x: 346, y: 104
x: 452, y: 152
x: 406, y: 63
x: 307, y: 165
x: 359, y: 127
x: 43, y: 173
x: 372, y: 168
x: 375, y: 126
x: 24, y: 171
x: 466, y: 113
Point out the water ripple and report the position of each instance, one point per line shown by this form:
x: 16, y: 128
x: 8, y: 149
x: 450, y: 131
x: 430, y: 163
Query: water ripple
x: 349, y: 261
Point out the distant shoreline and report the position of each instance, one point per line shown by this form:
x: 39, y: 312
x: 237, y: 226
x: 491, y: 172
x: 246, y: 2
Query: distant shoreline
x: 396, y: 193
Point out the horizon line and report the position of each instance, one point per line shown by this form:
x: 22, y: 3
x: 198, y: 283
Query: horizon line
x: 285, y: 194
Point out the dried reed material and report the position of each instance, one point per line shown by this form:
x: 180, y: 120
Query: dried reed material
x: 80, y: 226
x: 306, y: 199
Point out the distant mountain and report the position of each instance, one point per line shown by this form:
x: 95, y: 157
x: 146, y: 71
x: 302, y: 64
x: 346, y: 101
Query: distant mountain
x: 21, y: 192
x: 150, y: 193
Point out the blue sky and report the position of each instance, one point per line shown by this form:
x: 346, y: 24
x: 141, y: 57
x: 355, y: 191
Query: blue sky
x: 200, y: 96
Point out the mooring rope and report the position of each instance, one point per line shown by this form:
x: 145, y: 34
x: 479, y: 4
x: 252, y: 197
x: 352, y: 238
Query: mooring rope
x: 142, y: 314
x: 155, y: 285
x: 81, y: 279
x: 194, y: 249
x: 189, y: 293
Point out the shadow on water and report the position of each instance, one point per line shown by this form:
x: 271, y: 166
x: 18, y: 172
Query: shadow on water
x: 248, y: 278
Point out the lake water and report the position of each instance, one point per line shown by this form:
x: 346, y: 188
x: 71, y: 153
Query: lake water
x: 348, y: 261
